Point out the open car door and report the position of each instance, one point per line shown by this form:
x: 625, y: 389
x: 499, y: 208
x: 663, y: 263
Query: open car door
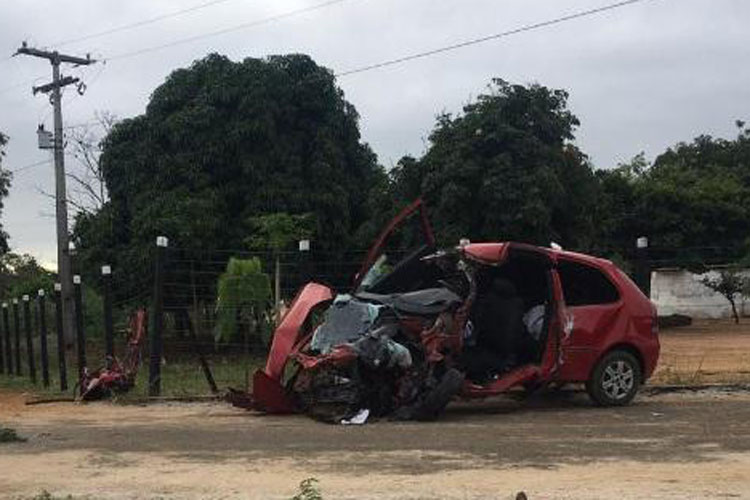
x: 393, y: 263
x: 556, y: 320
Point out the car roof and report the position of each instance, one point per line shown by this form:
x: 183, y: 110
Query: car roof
x: 491, y: 252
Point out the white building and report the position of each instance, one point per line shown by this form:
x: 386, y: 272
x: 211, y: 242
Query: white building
x: 677, y: 291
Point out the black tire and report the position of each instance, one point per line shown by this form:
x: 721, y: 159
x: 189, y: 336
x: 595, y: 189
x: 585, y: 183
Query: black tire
x: 615, y: 379
x: 435, y: 402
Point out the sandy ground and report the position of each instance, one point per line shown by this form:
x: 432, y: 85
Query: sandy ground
x: 690, y: 444
x: 705, y: 352
x: 668, y: 446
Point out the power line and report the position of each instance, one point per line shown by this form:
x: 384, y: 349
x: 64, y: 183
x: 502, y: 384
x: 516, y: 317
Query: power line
x: 181, y: 41
x: 475, y: 41
x: 30, y: 165
x: 138, y: 24
x: 82, y: 124
x: 231, y: 29
x: 21, y: 84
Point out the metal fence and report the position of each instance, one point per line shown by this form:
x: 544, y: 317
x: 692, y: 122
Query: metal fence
x: 178, y: 286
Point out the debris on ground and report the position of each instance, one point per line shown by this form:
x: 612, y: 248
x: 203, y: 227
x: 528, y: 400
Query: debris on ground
x: 10, y: 436
x: 117, y: 377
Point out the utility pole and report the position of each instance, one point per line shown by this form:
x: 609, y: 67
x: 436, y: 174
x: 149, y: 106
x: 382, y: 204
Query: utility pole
x: 61, y: 203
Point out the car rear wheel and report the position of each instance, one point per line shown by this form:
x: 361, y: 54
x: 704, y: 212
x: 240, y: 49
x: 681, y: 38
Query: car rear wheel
x: 615, y: 379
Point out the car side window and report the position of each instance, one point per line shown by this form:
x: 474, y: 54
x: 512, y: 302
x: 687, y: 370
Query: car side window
x: 584, y: 285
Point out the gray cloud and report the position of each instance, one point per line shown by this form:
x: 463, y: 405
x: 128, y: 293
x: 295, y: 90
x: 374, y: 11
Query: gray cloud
x: 641, y: 78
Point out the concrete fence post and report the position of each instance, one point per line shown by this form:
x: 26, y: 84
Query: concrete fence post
x: 80, y: 333
x: 8, y: 342
x: 29, y: 340
x: 42, y: 325
x: 155, y: 347
x: 17, y: 335
x: 643, y: 267
x: 2, y: 351
x: 109, y: 330
x: 62, y: 368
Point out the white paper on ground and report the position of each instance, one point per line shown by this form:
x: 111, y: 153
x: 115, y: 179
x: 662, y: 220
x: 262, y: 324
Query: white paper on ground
x: 358, y: 419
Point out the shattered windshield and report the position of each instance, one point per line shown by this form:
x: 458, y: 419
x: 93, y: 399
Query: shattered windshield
x: 406, y: 240
x: 345, y: 321
x: 376, y: 272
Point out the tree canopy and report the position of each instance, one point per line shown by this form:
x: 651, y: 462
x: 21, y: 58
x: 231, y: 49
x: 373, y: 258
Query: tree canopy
x: 5, y: 177
x: 222, y: 142
x: 693, y: 199
x: 231, y: 155
x: 505, y: 169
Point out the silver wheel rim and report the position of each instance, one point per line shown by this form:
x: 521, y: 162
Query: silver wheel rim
x: 618, y: 380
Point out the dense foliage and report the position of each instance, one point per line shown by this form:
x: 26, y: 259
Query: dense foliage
x: 259, y: 153
x: 243, y: 297
x: 5, y: 177
x: 222, y: 142
x: 22, y: 275
x: 694, y: 199
x: 505, y: 169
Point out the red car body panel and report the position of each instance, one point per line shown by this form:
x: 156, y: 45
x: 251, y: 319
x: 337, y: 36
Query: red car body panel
x: 596, y: 329
x: 268, y: 391
x: 287, y: 333
x: 577, y: 337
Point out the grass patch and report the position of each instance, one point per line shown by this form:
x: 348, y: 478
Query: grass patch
x: 183, y: 376
x: 10, y: 436
x: 308, y: 490
x: 181, y: 373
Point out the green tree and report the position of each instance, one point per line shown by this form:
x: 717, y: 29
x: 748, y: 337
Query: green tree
x: 693, y: 201
x: 22, y: 275
x: 222, y: 142
x: 730, y: 283
x: 505, y: 169
x: 277, y: 232
x: 5, y: 177
x: 243, y: 292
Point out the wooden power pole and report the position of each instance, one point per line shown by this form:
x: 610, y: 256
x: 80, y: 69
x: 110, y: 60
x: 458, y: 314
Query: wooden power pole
x: 61, y: 204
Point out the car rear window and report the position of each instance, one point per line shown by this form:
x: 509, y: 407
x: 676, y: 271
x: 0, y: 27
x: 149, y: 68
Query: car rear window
x: 585, y: 285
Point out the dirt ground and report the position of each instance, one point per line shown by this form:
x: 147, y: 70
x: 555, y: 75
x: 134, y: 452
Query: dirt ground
x: 708, y: 351
x: 670, y: 446
x: 676, y: 445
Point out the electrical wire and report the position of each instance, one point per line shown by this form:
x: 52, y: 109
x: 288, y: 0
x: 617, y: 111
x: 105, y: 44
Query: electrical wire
x: 231, y: 29
x: 138, y: 24
x: 475, y: 41
x: 181, y: 41
x: 20, y: 84
x: 30, y: 165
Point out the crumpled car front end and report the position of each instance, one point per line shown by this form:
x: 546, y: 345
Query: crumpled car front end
x: 369, y: 354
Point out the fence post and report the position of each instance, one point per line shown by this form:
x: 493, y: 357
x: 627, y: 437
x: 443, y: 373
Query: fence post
x: 62, y: 368
x: 42, y: 325
x: 17, y: 335
x: 305, y: 273
x: 643, y: 269
x: 109, y: 340
x: 29, y: 341
x: 155, y: 348
x: 80, y: 334
x: 8, y: 346
x: 2, y: 352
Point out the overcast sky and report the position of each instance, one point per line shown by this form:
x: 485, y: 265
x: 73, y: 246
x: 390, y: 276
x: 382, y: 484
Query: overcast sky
x: 641, y: 77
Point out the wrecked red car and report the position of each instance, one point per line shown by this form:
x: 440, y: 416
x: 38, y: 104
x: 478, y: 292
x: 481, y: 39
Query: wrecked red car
x: 474, y: 321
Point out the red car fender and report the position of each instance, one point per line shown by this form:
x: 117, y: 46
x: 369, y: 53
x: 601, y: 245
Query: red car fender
x: 268, y: 392
x: 286, y: 334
